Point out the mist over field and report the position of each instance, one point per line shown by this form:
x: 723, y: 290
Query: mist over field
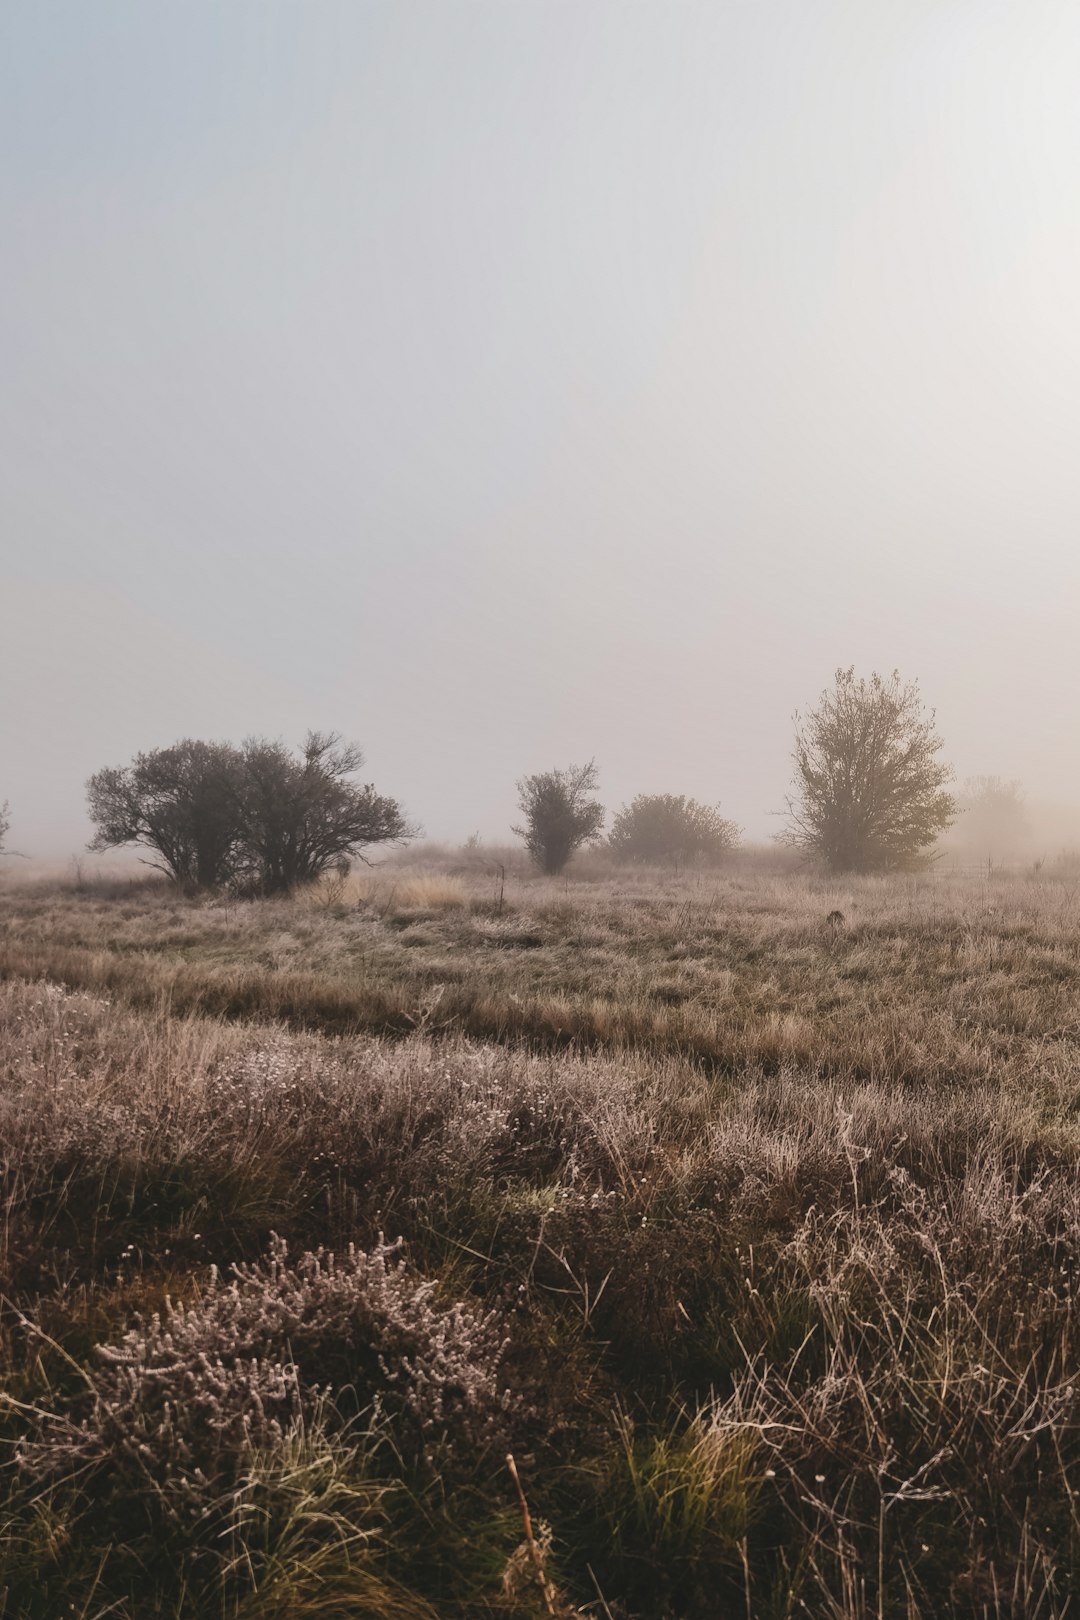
x: 502, y: 385
x: 539, y: 810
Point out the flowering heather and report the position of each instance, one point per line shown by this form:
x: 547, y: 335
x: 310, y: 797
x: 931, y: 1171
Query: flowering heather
x: 183, y: 1401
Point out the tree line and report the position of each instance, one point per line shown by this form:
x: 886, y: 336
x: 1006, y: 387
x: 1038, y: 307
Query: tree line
x: 870, y: 794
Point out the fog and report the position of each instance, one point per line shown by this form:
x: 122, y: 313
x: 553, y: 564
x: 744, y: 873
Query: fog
x: 507, y: 385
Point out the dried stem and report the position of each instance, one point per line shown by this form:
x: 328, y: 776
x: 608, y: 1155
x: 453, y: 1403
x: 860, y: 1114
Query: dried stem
x: 534, y: 1550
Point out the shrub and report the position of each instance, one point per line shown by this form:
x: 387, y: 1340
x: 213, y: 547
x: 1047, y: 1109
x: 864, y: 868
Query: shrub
x: 992, y: 822
x: 560, y: 814
x: 301, y: 817
x: 662, y: 827
x: 180, y: 803
x: 180, y: 1406
x: 211, y: 813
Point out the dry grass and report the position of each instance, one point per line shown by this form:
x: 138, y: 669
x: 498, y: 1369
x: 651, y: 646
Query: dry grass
x: 387, y: 894
x: 780, y: 1217
x: 924, y: 979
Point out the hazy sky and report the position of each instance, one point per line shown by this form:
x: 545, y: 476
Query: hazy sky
x: 508, y: 383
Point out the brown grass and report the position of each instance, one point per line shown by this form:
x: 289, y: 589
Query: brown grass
x: 782, y: 1217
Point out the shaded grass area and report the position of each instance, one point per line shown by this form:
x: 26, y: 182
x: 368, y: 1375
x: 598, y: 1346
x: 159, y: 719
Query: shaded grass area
x: 780, y: 1324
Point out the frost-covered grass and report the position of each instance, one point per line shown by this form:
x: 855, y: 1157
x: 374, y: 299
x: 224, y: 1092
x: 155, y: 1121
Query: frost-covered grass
x: 753, y: 1237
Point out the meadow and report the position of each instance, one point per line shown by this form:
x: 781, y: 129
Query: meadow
x: 740, y: 1208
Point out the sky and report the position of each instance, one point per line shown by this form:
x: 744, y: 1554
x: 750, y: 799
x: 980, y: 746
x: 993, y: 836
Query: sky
x: 508, y: 385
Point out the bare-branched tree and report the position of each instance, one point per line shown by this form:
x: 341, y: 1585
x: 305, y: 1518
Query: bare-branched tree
x: 870, y: 791
x: 257, y: 815
x: 560, y: 814
x: 5, y: 823
x: 180, y: 803
x: 663, y: 827
x: 300, y: 817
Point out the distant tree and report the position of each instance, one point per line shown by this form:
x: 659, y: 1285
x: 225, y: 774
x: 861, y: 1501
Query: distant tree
x: 662, y: 827
x: 5, y: 823
x: 179, y: 802
x: 301, y: 816
x: 257, y: 815
x: 870, y: 789
x: 993, y: 821
x: 560, y: 814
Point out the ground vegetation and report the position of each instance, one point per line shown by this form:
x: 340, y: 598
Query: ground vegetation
x: 741, y: 1209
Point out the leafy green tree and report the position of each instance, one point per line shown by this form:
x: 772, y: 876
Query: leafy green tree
x: 660, y: 827
x: 560, y: 814
x: 870, y: 792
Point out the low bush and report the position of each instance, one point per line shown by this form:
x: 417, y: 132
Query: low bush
x: 178, y: 1407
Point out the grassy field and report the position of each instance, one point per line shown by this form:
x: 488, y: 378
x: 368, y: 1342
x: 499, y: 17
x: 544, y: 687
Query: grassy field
x: 751, y: 1234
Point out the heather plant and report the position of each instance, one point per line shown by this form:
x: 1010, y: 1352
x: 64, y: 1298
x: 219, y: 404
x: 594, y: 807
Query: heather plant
x: 179, y: 1405
x: 292, y: 1527
x: 173, y: 1423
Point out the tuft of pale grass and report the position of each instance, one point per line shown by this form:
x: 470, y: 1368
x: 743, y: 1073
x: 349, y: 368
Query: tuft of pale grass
x: 431, y: 891
x: 386, y: 893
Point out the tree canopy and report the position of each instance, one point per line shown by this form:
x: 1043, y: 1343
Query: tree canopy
x: 660, y: 827
x: 180, y: 803
x: 870, y: 792
x: 257, y: 816
x: 560, y: 814
x: 301, y: 816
